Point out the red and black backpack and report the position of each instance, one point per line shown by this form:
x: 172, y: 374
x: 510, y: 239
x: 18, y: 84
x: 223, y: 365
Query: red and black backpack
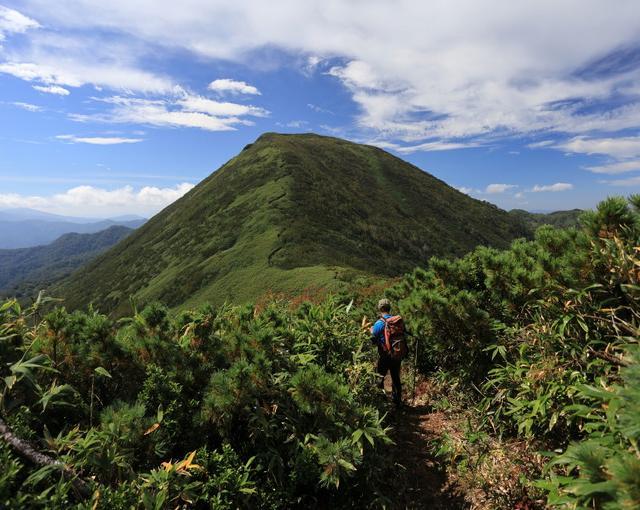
x: 395, y: 343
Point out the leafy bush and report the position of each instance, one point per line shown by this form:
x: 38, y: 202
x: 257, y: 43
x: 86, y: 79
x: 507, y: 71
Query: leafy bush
x: 532, y: 332
x: 250, y: 405
x: 536, y: 347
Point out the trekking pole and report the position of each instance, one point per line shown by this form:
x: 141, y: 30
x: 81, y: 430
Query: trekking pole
x: 415, y: 371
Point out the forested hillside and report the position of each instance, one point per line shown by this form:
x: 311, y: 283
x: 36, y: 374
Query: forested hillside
x: 28, y: 233
x: 25, y: 271
x: 290, y: 212
x: 560, y: 219
x: 531, y: 353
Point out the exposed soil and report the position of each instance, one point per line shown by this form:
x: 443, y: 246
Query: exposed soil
x: 420, y: 481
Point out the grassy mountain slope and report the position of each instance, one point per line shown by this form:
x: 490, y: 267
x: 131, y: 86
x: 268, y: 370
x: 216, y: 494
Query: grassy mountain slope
x: 559, y: 219
x: 24, y: 271
x: 289, y: 212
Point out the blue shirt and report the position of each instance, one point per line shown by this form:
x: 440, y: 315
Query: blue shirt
x: 377, y: 330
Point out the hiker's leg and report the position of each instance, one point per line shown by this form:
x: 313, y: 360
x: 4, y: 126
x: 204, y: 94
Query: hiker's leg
x: 395, y: 378
x: 382, y: 370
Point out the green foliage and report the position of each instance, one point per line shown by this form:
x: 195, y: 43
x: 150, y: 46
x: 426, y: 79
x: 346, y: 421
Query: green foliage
x: 242, y: 398
x: 558, y: 219
x: 272, y: 406
x: 458, y: 307
x: 603, y: 471
x: 537, y: 334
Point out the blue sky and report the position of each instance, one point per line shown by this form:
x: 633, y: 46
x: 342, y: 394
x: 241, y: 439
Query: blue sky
x: 121, y: 107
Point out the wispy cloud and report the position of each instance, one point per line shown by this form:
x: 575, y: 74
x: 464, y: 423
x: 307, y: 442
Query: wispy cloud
x: 615, y: 168
x: 296, y: 124
x: 541, y: 144
x: 436, y: 146
x: 319, y: 109
x: 558, y: 186
x: 234, y: 87
x: 27, y: 106
x: 431, y: 146
x: 98, y: 140
x: 72, y: 73
x: 182, y: 111
x: 96, y: 201
x: 194, y: 103
x: 494, y: 189
x: 14, y: 22
x: 52, y: 89
x: 630, y: 182
x: 622, y: 147
x: 623, y: 153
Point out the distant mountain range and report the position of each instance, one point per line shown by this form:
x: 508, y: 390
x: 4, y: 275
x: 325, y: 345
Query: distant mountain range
x: 22, y: 228
x: 24, y: 272
x: 24, y: 213
x: 290, y: 212
x: 559, y: 219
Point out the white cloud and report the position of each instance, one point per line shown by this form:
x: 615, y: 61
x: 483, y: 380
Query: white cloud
x: 93, y: 201
x: 33, y: 72
x: 296, y: 124
x: 74, y: 73
x: 615, y: 168
x: 222, y: 109
x: 624, y: 147
x: 481, y: 68
x: 13, y: 22
x: 319, y: 109
x: 493, y: 189
x: 539, y: 145
x: 226, y: 85
x: 52, y: 89
x: 310, y: 65
x: 630, y: 182
x: 558, y: 186
x: 358, y: 74
x: 465, y: 190
x: 431, y: 146
x: 184, y: 111
x: 435, y: 146
x: 98, y: 140
x: 27, y: 106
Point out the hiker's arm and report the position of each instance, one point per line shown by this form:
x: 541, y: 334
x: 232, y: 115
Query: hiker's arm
x: 376, y: 331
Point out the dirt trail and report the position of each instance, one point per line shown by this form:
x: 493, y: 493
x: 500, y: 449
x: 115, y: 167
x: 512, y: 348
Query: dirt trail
x: 421, y: 482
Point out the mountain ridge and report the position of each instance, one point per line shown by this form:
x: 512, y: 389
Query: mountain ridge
x: 286, y: 213
x: 38, y: 232
x: 559, y: 219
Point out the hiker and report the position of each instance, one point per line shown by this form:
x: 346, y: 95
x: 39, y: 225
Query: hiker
x: 388, y: 334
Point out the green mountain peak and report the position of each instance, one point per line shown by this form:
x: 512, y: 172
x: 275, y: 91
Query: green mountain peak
x: 287, y: 213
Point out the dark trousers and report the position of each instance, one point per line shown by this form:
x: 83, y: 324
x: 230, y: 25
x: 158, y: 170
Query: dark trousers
x: 386, y: 364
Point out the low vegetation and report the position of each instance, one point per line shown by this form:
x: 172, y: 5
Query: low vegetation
x: 220, y: 407
x: 531, y: 351
x: 541, y: 343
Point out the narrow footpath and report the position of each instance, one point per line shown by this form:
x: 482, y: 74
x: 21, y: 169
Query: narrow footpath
x: 421, y: 482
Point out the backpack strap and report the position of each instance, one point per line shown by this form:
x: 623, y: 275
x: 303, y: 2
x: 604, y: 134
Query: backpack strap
x: 387, y: 340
